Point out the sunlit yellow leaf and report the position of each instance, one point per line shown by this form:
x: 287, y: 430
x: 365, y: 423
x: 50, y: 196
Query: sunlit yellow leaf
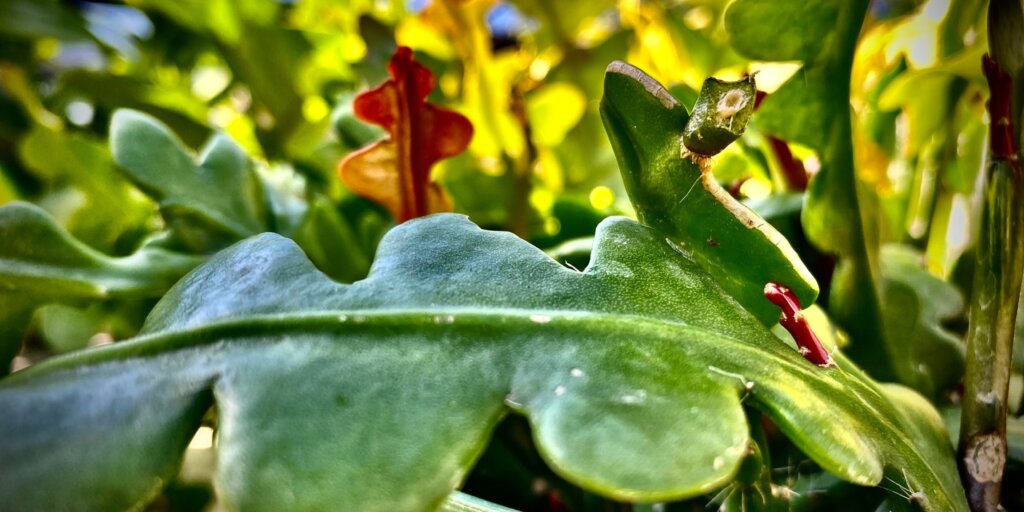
x: 487, y: 78
x: 553, y: 110
x: 418, y: 34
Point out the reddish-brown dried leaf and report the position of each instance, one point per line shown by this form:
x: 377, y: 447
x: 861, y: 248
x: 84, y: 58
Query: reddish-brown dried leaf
x: 396, y: 171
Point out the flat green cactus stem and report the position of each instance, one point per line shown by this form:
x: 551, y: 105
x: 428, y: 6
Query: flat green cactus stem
x: 678, y: 195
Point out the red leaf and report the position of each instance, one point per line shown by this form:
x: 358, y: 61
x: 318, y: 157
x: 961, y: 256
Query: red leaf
x: 396, y: 171
x: 793, y: 320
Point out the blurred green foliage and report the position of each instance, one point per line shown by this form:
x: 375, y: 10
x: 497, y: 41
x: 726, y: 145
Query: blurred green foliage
x: 249, y: 108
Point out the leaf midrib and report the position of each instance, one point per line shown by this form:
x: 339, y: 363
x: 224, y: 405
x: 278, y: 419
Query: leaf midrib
x: 342, y: 321
x: 352, y: 321
x: 156, y: 343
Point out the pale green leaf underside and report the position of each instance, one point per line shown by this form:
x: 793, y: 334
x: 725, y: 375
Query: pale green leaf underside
x: 460, y: 502
x: 380, y: 395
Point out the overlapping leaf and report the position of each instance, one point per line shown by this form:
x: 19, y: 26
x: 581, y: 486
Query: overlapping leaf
x: 41, y: 263
x: 931, y: 358
x: 674, y: 195
x: 396, y: 171
x: 208, y: 204
x: 813, y: 108
x: 380, y: 395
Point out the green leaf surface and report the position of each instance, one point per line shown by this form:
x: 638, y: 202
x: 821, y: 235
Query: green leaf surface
x: 675, y: 196
x: 380, y: 395
x: 813, y: 108
x: 211, y: 202
x: 797, y: 112
x: 41, y: 263
x: 773, y: 30
x: 930, y: 357
x: 84, y: 190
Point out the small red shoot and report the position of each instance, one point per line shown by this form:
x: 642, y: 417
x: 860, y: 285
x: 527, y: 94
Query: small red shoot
x: 792, y: 168
x: 793, y: 320
x: 396, y: 171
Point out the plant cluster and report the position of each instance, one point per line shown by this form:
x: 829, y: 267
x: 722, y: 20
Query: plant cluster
x: 483, y: 255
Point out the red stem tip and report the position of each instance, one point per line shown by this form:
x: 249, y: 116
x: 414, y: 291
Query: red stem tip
x: 1000, y: 85
x: 793, y: 320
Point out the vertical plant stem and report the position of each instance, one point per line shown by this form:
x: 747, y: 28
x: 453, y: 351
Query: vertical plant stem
x: 854, y: 300
x: 997, y: 280
x: 522, y: 168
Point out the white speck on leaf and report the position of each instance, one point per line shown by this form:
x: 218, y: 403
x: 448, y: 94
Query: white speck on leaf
x: 540, y: 319
x: 639, y: 397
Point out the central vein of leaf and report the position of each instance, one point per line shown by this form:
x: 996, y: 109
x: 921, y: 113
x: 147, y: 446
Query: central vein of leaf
x: 414, y: 185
